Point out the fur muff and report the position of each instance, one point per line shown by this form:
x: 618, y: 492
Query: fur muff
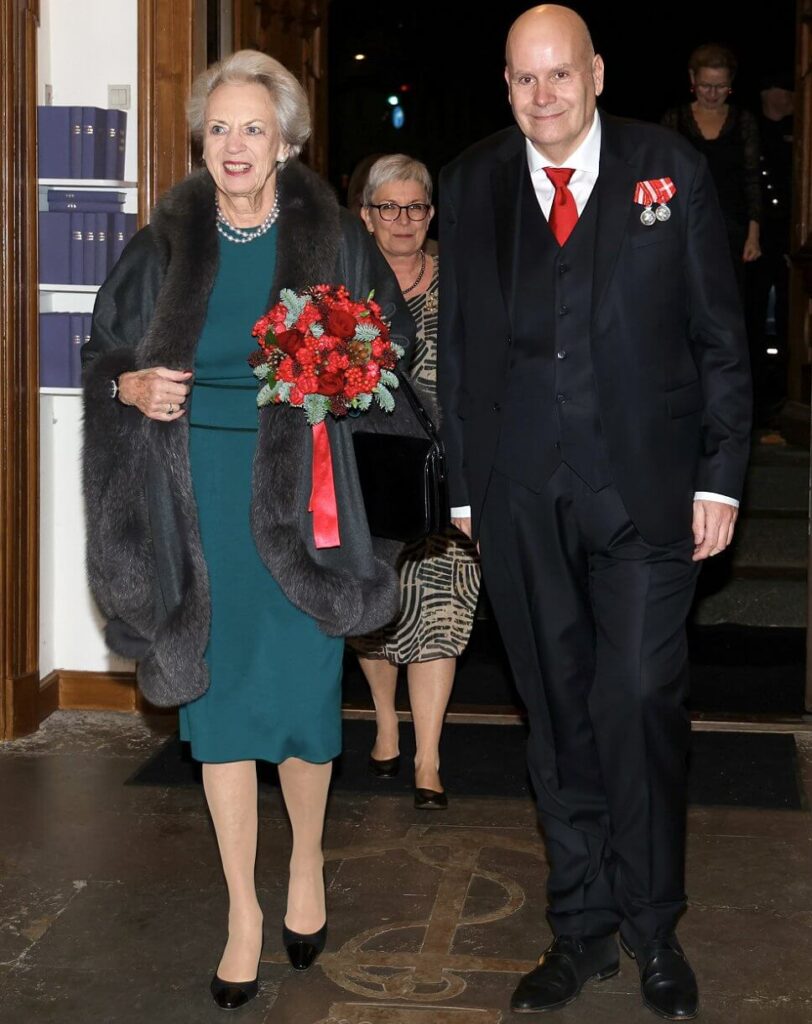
x: 145, y: 558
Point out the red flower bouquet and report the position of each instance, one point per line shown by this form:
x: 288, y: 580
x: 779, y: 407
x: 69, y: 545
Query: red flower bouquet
x: 322, y: 352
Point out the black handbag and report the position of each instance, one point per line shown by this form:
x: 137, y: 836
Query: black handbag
x: 403, y: 479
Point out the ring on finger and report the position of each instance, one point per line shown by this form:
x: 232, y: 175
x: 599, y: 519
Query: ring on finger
x: 170, y: 409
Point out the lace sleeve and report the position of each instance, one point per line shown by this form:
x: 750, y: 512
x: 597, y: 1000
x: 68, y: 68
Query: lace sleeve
x: 750, y: 169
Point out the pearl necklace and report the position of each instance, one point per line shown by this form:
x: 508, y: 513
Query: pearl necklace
x: 412, y: 287
x: 242, y: 235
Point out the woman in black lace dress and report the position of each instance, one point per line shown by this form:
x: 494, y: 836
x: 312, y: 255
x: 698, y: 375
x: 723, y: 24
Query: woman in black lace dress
x: 728, y: 137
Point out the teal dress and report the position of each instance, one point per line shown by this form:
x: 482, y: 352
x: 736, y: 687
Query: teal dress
x: 275, y: 678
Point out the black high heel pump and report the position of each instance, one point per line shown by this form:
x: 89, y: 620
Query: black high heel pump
x: 303, y: 949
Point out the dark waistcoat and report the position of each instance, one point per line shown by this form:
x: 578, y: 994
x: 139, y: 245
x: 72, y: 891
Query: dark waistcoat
x: 550, y: 412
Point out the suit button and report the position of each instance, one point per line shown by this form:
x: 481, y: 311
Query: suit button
x: 560, y: 398
x: 497, y: 407
x: 561, y: 355
x: 563, y: 268
x: 563, y: 310
x: 557, y: 446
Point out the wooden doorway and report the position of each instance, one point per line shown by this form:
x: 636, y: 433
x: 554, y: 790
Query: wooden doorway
x: 19, y: 371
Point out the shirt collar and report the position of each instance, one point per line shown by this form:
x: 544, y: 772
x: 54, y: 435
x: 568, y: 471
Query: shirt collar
x: 585, y: 158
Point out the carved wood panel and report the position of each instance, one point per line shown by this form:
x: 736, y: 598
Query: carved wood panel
x: 166, y: 67
x: 295, y: 33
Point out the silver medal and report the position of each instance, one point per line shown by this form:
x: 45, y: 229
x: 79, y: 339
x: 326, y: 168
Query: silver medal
x: 662, y: 212
x: 648, y: 216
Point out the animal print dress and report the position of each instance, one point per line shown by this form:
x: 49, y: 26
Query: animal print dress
x: 439, y: 576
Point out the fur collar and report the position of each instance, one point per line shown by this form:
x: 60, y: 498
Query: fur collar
x: 184, y: 227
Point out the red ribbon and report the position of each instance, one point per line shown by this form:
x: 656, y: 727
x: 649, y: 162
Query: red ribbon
x: 654, y: 190
x: 323, y: 495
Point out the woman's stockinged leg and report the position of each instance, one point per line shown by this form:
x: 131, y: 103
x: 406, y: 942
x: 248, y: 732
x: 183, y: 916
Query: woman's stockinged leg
x: 231, y: 793
x: 382, y: 677
x: 305, y: 787
x: 430, y: 684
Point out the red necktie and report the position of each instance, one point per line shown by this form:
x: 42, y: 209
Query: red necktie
x: 563, y: 212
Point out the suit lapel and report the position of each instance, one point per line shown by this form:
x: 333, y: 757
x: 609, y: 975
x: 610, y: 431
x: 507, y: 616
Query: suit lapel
x: 615, y: 194
x: 506, y: 190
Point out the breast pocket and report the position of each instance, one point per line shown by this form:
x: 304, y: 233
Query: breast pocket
x: 646, y: 238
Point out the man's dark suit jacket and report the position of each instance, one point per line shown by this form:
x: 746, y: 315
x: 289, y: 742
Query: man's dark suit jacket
x: 667, y: 335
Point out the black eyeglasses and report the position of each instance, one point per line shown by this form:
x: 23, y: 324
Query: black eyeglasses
x: 391, y: 211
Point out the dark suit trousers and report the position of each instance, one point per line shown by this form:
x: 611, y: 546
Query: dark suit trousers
x: 593, y: 619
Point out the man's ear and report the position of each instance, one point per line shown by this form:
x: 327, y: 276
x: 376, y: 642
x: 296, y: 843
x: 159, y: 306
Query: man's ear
x: 597, y: 73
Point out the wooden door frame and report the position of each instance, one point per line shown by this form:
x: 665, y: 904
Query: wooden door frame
x: 19, y: 371
x: 166, y: 30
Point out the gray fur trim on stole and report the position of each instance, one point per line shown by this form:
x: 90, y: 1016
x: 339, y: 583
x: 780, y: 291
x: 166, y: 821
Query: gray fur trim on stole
x: 150, y: 578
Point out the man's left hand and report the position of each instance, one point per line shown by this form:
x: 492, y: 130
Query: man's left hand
x: 713, y: 526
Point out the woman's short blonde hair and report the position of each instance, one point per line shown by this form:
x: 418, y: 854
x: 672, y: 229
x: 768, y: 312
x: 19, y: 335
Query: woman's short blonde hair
x: 397, y: 167
x: 247, y: 66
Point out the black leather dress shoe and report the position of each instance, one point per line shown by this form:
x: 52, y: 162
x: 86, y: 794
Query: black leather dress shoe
x: 303, y: 949
x: 231, y: 995
x: 563, y: 969
x: 667, y: 982
x: 386, y: 769
x: 430, y: 800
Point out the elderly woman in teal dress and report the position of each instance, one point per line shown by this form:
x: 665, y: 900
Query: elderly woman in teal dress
x: 199, y: 544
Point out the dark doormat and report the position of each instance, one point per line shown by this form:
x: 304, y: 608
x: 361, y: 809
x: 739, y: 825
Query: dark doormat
x: 734, y: 669
x: 727, y: 768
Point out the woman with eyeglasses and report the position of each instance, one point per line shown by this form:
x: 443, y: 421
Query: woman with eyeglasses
x: 728, y: 137
x: 439, y: 576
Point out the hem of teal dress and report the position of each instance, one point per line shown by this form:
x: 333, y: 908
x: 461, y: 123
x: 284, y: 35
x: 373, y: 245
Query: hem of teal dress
x: 222, y: 757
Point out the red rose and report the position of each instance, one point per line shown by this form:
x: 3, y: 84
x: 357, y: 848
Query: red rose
x: 289, y: 341
x: 330, y: 383
x: 341, y: 323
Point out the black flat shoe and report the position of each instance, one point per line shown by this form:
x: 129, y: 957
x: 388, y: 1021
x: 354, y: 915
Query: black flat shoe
x: 430, y: 800
x: 386, y: 769
x: 565, y: 966
x: 667, y: 982
x: 231, y: 995
x: 303, y: 949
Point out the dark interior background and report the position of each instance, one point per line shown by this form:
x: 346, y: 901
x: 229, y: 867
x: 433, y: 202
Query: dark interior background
x: 450, y: 61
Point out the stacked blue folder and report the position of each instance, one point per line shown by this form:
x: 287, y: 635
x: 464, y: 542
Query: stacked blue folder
x: 82, y: 235
x: 61, y: 336
x: 81, y: 142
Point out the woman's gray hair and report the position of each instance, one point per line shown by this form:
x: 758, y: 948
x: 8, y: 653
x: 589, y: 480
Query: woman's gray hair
x: 251, y: 66
x: 398, y: 167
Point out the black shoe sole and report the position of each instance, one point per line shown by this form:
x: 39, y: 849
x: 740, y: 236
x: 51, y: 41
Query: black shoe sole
x: 600, y: 976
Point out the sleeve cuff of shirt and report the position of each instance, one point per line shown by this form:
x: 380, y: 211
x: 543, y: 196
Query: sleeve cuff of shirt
x: 710, y: 496
x: 461, y: 512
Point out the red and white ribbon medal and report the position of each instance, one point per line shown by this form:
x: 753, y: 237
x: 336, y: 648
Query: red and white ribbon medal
x: 654, y: 195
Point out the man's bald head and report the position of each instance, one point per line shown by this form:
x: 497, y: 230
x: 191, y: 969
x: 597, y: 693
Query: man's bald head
x: 554, y: 78
x: 544, y: 17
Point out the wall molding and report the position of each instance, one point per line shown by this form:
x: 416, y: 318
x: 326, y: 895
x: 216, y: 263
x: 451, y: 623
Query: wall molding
x: 68, y: 690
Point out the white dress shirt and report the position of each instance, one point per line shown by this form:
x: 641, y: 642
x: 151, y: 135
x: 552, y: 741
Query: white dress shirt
x: 585, y: 162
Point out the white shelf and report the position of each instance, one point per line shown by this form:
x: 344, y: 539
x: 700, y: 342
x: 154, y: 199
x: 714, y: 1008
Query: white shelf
x: 82, y: 289
x: 60, y: 391
x: 79, y: 183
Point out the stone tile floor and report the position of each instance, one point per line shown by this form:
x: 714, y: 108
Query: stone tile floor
x: 112, y: 908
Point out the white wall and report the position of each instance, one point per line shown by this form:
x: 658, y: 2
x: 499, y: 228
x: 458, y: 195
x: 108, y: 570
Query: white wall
x: 84, y: 46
